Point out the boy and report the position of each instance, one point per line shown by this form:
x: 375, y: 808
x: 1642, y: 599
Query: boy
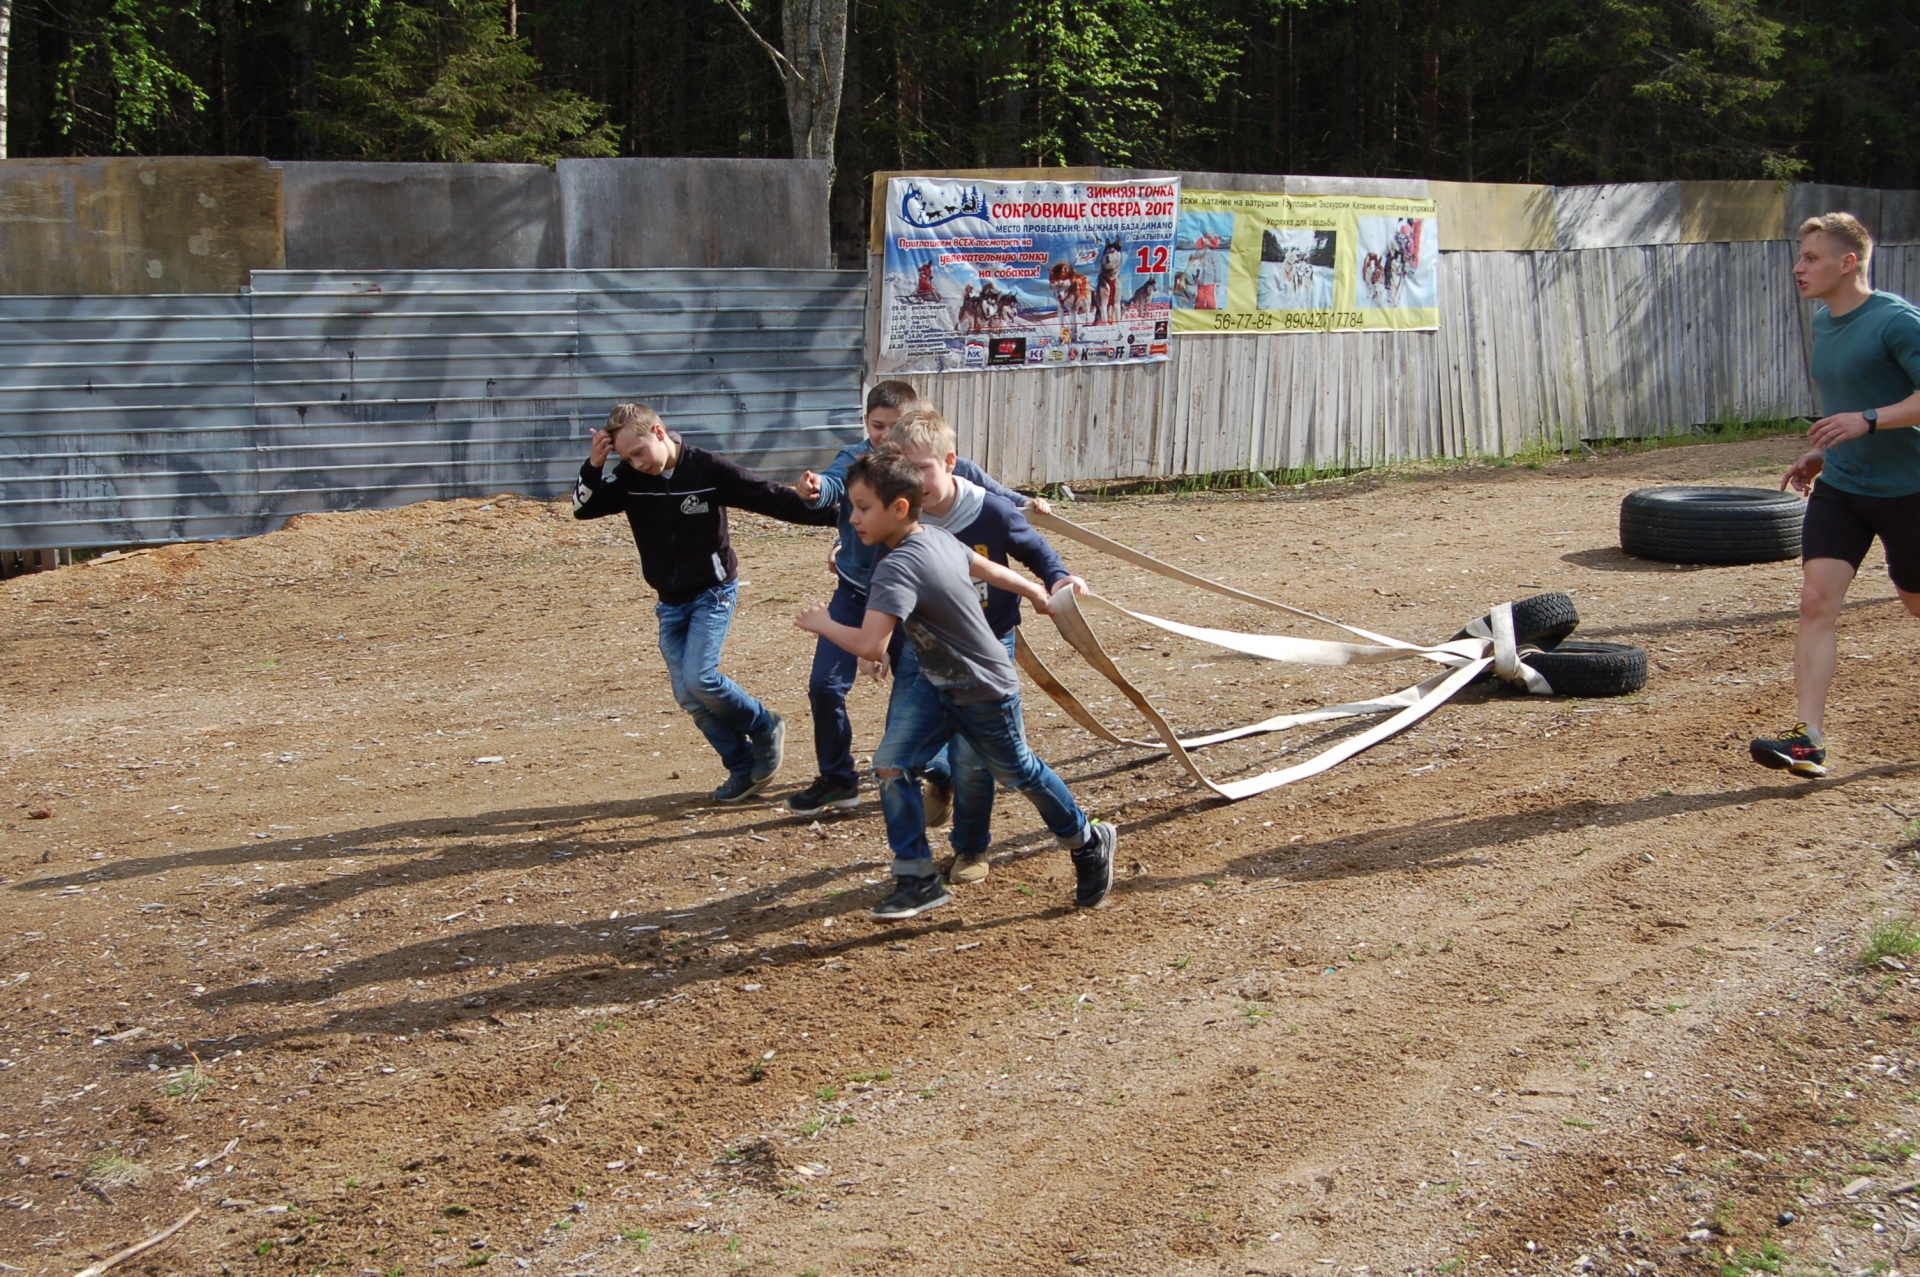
x: 837, y: 786
x: 1862, y: 476
x: 963, y: 685
x: 675, y: 497
x: 997, y: 531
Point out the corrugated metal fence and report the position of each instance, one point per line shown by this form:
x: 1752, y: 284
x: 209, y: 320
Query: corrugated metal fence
x: 128, y: 420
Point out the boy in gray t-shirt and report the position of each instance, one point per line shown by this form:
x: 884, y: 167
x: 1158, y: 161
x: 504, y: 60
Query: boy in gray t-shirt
x: 965, y: 686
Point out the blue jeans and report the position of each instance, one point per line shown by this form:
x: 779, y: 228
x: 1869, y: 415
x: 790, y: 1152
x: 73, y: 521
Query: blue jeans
x: 690, y: 639
x: 834, y: 670
x: 921, y: 720
x: 972, y: 790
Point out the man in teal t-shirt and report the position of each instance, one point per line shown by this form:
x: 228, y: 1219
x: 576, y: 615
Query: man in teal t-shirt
x: 1862, y: 478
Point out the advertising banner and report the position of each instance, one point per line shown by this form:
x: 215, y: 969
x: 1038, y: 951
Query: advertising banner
x: 1246, y: 262
x: 996, y: 275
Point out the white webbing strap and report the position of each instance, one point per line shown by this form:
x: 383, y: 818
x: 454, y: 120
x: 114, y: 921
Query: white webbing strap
x: 1465, y: 658
x: 1497, y: 626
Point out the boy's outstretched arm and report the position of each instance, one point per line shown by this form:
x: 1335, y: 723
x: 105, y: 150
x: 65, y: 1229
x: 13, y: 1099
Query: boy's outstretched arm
x: 742, y: 489
x: 985, y: 569
x: 868, y: 641
x: 827, y: 487
x: 1034, y: 550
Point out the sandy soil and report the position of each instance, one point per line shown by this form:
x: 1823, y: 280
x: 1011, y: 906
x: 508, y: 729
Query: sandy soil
x: 1543, y: 985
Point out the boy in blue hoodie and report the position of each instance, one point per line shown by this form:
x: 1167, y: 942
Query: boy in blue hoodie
x: 837, y: 786
x: 992, y: 528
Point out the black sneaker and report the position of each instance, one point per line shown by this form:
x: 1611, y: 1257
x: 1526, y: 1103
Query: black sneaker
x: 823, y: 796
x: 1794, y: 752
x: 739, y: 787
x: 912, y: 896
x: 939, y: 802
x: 769, y: 749
x: 1093, y: 865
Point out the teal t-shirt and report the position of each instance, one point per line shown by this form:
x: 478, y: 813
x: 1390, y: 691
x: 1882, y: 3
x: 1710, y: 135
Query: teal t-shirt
x: 1869, y: 358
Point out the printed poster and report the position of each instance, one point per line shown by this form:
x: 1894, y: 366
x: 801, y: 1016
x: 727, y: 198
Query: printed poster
x: 998, y: 275
x: 1247, y: 262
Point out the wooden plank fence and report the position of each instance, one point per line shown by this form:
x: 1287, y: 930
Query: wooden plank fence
x: 1549, y: 346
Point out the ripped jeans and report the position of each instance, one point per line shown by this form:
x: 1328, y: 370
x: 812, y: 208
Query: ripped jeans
x: 921, y: 720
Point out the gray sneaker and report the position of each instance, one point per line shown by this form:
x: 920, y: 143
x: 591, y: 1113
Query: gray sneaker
x: 1093, y: 865
x: 911, y: 897
x: 741, y: 786
x: 769, y: 749
x: 821, y: 796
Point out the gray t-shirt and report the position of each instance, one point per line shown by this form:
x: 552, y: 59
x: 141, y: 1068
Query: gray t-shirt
x: 926, y: 582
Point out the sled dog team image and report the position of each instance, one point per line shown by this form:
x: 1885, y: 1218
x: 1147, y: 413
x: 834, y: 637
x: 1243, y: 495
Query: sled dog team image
x: 927, y: 596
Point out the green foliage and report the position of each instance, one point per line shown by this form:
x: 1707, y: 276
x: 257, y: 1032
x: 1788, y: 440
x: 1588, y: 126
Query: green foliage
x: 1895, y: 938
x: 1096, y: 73
x: 1565, y: 91
x: 1668, y: 87
x: 118, y: 79
x: 1770, y: 1258
x: 443, y: 80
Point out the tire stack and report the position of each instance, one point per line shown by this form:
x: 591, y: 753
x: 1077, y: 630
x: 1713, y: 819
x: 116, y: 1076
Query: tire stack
x: 1571, y: 667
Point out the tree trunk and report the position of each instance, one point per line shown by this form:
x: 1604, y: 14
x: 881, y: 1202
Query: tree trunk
x: 6, y: 27
x: 815, y: 35
x: 305, y: 88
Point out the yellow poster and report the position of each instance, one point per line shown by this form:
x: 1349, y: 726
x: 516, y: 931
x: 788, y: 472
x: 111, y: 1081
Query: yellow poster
x: 1248, y: 262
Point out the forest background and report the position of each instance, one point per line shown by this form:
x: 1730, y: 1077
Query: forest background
x: 1553, y: 91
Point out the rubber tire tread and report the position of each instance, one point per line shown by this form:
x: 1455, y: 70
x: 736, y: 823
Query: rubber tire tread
x: 1584, y: 668
x: 1689, y: 524
x: 1543, y: 620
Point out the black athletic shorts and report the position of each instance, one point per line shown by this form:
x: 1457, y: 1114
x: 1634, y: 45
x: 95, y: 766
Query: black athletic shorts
x: 1842, y: 525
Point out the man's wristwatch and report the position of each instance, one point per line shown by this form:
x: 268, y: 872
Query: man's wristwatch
x: 1873, y: 419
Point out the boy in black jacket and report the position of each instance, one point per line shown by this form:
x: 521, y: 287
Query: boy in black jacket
x: 675, y: 497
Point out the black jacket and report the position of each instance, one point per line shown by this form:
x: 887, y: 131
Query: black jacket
x: 679, y: 519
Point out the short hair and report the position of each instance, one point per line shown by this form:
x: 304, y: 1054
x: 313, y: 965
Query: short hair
x: 891, y: 394
x: 637, y: 415
x: 1846, y: 228
x: 923, y: 427
x: 891, y: 476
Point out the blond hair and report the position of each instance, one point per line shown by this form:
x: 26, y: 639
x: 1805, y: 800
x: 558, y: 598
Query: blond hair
x: 637, y: 415
x: 923, y: 427
x: 1846, y: 228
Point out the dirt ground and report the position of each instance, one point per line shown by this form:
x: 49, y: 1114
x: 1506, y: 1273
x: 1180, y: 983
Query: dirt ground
x: 356, y: 889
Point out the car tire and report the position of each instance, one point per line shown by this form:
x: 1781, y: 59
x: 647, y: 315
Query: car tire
x: 1542, y: 620
x: 1582, y: 668
x: 1711, y: 525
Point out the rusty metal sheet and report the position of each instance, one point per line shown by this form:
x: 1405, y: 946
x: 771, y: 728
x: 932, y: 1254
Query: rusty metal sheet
x: 1730, y: 212
x: 1494, y: 217
x: 175, y: 224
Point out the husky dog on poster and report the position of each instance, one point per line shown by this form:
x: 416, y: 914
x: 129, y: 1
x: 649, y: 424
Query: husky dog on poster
x: 1393, y: 271
x: 992, y: 275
